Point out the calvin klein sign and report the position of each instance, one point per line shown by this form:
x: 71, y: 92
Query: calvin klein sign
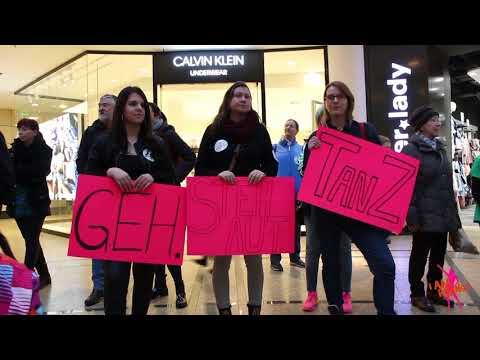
x: 208, y: 67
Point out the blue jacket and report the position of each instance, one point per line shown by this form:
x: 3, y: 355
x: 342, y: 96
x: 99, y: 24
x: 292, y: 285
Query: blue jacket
x: 288, y: 155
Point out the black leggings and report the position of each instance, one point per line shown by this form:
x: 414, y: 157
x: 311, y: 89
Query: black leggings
x: 175, y: 271
x: 30, y: 227
x: 117, y: 277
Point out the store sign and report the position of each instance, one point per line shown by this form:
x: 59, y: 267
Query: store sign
x: 240, y: 219
x: 360, y: 180
x: 207, y: 66
x: 396, y: 83
x: 145, y: 227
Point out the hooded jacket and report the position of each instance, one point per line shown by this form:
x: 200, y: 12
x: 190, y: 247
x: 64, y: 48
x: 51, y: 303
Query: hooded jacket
x: 288, y: 154
x: 433, y: 206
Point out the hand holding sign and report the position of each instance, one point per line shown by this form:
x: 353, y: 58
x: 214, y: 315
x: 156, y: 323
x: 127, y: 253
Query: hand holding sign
x: 121, y: 178
x: 143, y: 182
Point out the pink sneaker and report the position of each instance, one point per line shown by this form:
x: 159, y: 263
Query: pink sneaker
x: 347, y: 303
x: 312, y: 301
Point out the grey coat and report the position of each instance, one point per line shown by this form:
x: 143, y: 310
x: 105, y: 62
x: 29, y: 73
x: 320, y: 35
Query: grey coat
x: 433, y: 204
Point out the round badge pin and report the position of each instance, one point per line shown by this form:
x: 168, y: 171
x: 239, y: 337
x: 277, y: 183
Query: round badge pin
x: 147, y: 154
x: 221, y: 145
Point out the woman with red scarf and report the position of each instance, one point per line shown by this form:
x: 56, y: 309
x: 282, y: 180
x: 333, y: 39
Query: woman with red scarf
x: 237, y: 144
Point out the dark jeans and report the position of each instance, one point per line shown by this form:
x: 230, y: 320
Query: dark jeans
x: 117, y: 277
x: 30, y: 227
x: 371, y: 243
x: 423, y: 243
x: 161, y: 278
x: 276, y: 258
x: 314, y: 253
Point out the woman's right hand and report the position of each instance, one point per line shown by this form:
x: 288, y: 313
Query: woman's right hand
x: 228, y: 177
x: 122, y: 179
x: 314, y: 143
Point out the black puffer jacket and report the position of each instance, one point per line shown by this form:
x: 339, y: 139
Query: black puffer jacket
x: 433, y: 205
x: 32, y: 166
x: 254, y: 155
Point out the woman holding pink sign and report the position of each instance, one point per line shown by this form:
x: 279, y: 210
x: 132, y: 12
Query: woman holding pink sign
x: 237, y: 144
x: 330, y: 227
x: 135, y: 159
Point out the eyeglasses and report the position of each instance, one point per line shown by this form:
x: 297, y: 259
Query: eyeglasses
x: 340, y: 97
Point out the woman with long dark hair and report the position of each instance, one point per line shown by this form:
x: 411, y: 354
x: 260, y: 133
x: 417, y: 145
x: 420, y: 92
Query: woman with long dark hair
x: 237, y: 144
x: 329, y: 226
x: 32, y: 158
x: 134, y: 158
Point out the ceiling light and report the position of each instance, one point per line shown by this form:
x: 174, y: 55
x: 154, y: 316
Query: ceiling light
x: 434, y: 89
x: 114, y: 81
x: 35, y: 104
x: 34, y: 118
x: 437, y: 80
x: 62, y: 106
x: 292, y: 63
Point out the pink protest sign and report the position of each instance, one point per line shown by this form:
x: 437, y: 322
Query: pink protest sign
x: 144, y: 227
x: 360, y: 180
x: 240, y: 219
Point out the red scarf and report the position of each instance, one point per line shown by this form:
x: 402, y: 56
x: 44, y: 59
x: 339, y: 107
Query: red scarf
x: 241, y: 133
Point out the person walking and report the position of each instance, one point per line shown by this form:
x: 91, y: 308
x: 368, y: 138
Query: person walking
x: 237, y: 144
x: 32, y: 159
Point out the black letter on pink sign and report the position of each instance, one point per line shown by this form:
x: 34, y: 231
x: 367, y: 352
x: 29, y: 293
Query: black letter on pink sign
x: 334, y: 152
x: 360, y: 195
x: 103, y: 228
x: 209, y: 228
x: 173, y: 225
x: 374, y: 209
x: 344, y: 181
x: 115, y: 248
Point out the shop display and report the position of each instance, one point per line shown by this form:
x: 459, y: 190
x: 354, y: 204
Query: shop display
x: 61, y: 134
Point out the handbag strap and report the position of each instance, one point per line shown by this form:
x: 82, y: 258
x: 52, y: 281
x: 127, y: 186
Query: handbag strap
x: 236, y: 152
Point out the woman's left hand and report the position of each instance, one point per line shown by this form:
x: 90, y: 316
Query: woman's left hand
x: 143, y: 182
x: 255, y: 177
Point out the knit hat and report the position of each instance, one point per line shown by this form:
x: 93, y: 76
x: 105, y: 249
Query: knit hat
x: 420, y: 116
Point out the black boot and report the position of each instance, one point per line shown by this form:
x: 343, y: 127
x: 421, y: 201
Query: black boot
x: 254, y: 310
x: 227, y: 311
x: 436, y: 299
x: 423, y: 304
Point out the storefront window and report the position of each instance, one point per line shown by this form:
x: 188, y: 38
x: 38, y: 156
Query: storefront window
x: 66, y: 102
x: 190, y: 108
x: 294, y: 85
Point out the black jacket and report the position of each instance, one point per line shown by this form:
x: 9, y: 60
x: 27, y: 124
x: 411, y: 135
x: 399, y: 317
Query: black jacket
x: 181, y: 154
x: 88, y: 139
x: 433, y: 204
x: 7, y: 177
x: 32, y: 166
x: 104, y: 155
x: 254, y: 155
x: 354, y: 129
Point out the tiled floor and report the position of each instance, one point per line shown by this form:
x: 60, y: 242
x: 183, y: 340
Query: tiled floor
x: 283, y: 292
